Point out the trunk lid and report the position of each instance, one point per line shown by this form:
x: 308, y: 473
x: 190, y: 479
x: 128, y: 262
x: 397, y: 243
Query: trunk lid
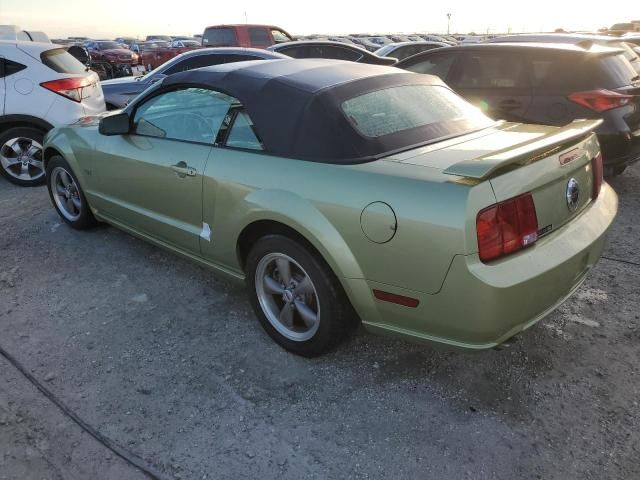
x: 553, y: 164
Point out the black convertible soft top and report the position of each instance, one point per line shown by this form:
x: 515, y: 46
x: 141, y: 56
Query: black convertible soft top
x: 296, y: 109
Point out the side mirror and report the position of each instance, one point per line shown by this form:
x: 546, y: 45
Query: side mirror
x: 117, y: 124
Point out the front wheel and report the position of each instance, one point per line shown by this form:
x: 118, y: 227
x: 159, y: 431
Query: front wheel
x: 67, y: 196
x: 296, y: 297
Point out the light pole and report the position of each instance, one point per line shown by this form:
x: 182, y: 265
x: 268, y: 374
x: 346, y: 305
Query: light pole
x: 448, y: 22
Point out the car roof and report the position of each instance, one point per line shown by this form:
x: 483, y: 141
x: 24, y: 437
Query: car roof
x: 295, y: 104
x: 257, y: 52
x: 302, y: 43
x: 32, y: 48
x: 242, y: 25
x: 561, y: 37
x: 421, y: 42
x: 569, y: 47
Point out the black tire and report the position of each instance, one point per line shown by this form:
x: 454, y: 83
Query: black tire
x: 33, y: 134
x: 85, y: 218
x: 336, y: 315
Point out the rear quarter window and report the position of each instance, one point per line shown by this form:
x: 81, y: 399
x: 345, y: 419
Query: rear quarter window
x: 61, y: 61
x: 7, y: 67
x: 614, y: 71
x: 557, y: 72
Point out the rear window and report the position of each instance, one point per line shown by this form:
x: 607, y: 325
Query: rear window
x: 615, y: 71
x: 397, y: 109
x: 259, y: 36
x: 219, y: 36
x: 59, y: 60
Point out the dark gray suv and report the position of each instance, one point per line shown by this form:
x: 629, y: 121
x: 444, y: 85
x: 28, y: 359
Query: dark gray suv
x: 550, y: 84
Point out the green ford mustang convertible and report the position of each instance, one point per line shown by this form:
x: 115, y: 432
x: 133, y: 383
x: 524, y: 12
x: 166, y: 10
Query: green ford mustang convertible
x: 342, y: 192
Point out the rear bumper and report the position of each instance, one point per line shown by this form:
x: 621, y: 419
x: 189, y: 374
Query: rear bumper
x: 482, y: 305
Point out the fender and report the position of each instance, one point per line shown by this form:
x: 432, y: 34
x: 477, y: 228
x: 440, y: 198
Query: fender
x: 286, y: 208
x: 16, y: 120
x: 58, y: 140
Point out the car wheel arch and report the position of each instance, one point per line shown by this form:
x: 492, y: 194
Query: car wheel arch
x: 329, y: 246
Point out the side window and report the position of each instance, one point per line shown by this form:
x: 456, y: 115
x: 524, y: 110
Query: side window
x: 280, y: 37
x: 190, y: 114
x: 195, y: 62
x: 439, y: 65
x: 295, y: 52
x: 259, y: 36
x: 338, y: 53
x: 7, y: 67
x: 231, y: 58
x: 495, y: 71
x: 242, y: 134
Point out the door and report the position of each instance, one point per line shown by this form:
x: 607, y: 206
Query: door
x: 151, y: 179
x: 496, y: 82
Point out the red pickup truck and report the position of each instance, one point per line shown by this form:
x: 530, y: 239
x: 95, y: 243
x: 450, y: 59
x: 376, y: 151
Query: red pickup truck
x: 242, y: 35
x: 153, y: 54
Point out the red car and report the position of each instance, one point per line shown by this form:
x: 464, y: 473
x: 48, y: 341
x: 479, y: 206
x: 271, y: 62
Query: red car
x: 119, y: 60
x: 248, y: 36
x: 153, y: 54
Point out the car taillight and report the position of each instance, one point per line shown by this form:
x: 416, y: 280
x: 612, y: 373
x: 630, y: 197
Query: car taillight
x: 69, y: 87
x: 600, y: 100
x: 506, y: 227
x: 596, y: 165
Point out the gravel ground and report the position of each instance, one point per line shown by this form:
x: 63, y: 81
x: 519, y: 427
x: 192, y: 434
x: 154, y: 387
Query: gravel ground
x: 169, y: 362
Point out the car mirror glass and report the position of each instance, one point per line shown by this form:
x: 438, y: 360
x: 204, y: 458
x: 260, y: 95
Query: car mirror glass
x: 117, y: 124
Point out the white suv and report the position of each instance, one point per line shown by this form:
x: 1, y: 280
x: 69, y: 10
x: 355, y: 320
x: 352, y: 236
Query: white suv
x: 41, y: 87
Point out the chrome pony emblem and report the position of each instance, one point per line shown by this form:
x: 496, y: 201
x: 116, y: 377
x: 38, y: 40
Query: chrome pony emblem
x: 573, y: 194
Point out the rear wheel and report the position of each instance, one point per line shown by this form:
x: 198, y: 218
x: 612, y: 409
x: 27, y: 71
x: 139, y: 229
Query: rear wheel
x: 21, y: 156
x: 67, y: 196
x: 296, y: 297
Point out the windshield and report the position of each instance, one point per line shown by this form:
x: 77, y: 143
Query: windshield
x: 108, y: 45
x: 396, y: 109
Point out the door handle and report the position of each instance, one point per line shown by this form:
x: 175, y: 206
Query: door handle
x: 184, y: 170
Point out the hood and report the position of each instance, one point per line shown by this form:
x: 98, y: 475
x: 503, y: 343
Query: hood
x: 116, y: 52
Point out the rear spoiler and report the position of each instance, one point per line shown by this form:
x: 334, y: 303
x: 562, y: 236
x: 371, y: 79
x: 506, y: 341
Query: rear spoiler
x: 487, y: 166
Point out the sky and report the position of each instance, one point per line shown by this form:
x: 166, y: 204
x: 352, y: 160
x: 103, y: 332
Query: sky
x: 109, y: 18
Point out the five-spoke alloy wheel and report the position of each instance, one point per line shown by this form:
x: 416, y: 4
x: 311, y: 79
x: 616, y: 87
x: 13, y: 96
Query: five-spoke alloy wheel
x: 66, y: 194
x: 287, y: 296
x: 297, y: 298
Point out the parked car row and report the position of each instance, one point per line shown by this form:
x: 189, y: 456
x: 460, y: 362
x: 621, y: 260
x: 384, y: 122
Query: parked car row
x: 542, y: 79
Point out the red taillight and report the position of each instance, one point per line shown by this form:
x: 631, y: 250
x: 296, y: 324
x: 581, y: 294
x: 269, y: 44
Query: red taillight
x: 596, y: 164
x: 69, y: 87
x: 600, y: 100
x: 506, y: 227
